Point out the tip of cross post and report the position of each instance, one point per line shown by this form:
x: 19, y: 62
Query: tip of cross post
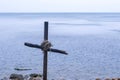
x: 46, y: 22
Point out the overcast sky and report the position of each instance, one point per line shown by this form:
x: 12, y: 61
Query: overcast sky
x: 59, y: 5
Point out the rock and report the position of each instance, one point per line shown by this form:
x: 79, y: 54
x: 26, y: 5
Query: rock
x: 107, y: 79
x: 118, y: 78
x: 16, y: 77
x: 35, y: 77
x: 18, y: 69
x: 98, y: 79
x: 26, y: 77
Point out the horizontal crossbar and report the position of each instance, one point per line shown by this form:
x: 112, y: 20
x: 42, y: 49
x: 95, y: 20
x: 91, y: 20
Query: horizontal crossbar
x: 39, y: 47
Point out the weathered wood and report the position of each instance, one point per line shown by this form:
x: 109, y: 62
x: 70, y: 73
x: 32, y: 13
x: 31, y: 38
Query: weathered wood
x: 45, y: 61
x: 45, y: 48
x: 58, y: 51
x: 39, y: 47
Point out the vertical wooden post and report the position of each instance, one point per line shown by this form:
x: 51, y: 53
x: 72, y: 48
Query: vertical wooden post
x: 45, y: 61
x: 45, y: 57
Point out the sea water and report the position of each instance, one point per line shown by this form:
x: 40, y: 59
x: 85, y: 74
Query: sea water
x: 91, y: 39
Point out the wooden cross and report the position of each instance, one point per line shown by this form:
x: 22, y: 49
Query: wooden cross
x: 45, y: 47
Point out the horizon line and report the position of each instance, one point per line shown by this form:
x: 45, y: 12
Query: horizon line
x: 52, y: 12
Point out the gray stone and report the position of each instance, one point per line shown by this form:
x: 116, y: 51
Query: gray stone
x: 16, y: 77
x: 35, y: 77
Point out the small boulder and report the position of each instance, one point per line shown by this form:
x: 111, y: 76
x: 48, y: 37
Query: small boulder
x: 35, y: 77
x: 16, y: 77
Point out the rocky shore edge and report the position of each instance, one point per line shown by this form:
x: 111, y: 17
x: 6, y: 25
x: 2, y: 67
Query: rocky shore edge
x: 32, y: 76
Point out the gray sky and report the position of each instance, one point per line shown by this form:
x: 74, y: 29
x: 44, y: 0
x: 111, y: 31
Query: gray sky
x: 59, y: 5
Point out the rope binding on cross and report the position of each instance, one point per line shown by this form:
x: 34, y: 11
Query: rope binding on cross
x: 46, y: 45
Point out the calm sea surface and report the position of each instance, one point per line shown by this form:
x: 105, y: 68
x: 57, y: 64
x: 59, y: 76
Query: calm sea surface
x: 91, y: 39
